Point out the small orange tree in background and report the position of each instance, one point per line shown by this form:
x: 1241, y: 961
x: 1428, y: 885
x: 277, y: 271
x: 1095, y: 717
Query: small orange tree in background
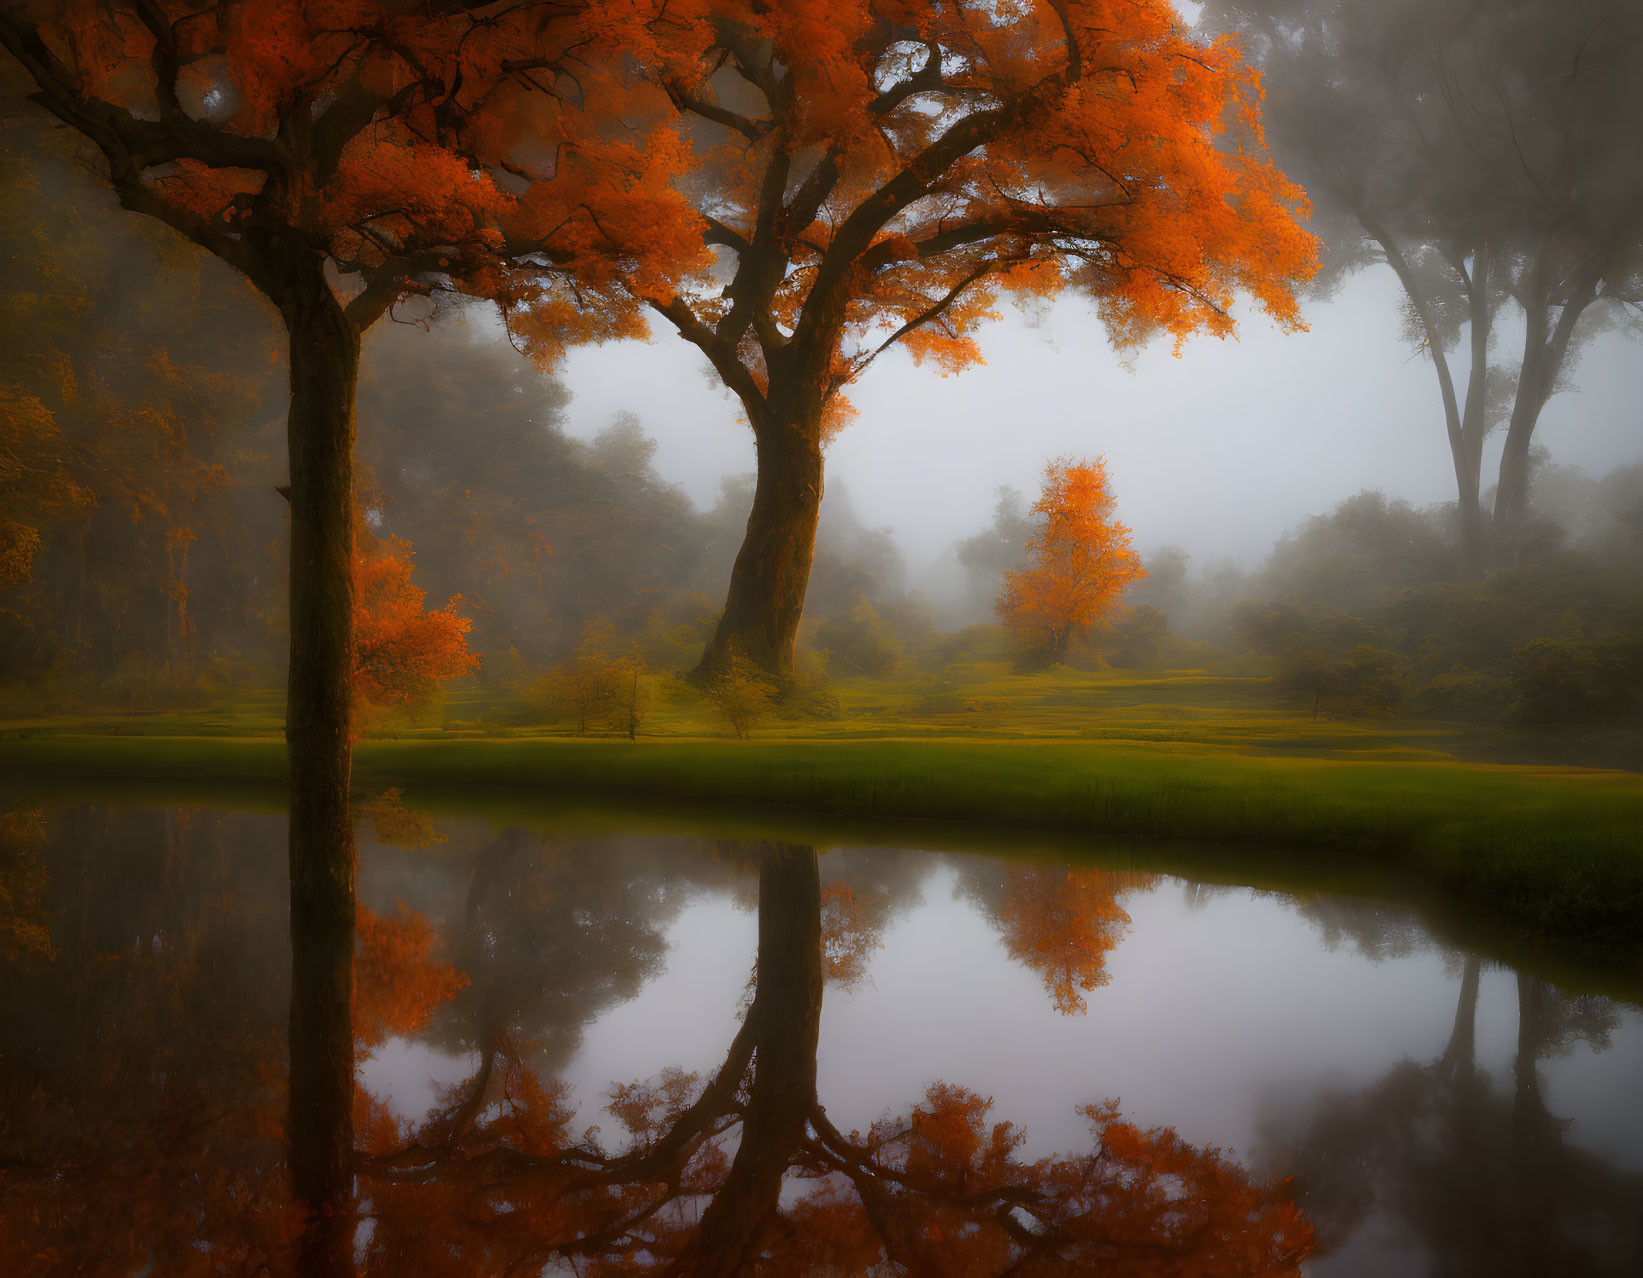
x: 1079, y: 560
x: 403, y: 650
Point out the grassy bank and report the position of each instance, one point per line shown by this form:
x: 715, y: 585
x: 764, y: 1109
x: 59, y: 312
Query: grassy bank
x: 1548, y: 851
x: 1230, y: 708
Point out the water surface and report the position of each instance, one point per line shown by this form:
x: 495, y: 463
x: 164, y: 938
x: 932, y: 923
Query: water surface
x: 615, y: 1054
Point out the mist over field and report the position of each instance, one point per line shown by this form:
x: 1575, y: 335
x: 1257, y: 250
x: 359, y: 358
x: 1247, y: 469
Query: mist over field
x: 543, y: 545
x: 1219, y: 450
x: 603, y: 499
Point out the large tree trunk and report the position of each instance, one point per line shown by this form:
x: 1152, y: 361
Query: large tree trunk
x: 320, y: 435
x: 1512, y: 492
x: 786, y: 1016
x: 1460, y: 454
x: 766, y: 599
x: 1545, y: 348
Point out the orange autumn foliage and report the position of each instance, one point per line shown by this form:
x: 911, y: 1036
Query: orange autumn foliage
x: 882, y: 172
x: 503, y: 150
x: 851, y: 925
x: 1079, y: 559
x: 397, y: 981
x: 1063, y: 924
x: 943, y: 1191
x: 397, y: 825
x: 403, y: 650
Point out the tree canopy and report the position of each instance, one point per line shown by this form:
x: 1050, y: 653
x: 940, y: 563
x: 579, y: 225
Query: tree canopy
x: 1486, y: 152
x: 346, y: 158
x: 876, y: 174
x: 399, y: 151
x: 1079, y: 559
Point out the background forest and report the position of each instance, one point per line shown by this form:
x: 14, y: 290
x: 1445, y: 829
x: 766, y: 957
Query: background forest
x: 142, y: 554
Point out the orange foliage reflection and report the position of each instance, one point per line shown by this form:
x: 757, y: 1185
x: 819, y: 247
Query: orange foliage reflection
x: 1063, y: 924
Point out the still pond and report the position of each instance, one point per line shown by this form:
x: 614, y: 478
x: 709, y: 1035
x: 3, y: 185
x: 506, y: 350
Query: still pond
x: 612, y: 1054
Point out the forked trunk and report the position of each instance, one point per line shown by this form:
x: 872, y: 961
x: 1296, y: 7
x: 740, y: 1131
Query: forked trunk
x: 320, y: 435
x: 1512, y: 493
x: 1545, y: 348
x: 766, y: 597
x: 1461, y: 449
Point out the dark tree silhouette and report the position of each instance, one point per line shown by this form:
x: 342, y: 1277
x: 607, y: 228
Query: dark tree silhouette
x: 1487, y: 154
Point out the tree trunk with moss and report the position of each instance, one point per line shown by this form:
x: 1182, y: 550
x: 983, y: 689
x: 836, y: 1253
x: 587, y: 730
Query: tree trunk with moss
x: 772, y: 571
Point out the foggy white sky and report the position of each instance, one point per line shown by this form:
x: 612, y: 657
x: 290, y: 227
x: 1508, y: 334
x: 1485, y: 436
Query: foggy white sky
x: 1219, y: 450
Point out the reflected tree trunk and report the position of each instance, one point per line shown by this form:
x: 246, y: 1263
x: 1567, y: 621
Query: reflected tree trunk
x: 1457, y: 1063
x: 320, y: 1123
x: 786, y: 1021
x: 1536, y: 1137
x: 1533, y: 1120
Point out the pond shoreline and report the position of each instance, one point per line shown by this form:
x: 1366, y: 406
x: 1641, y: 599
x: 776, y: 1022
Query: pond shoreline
x: 1547, y: 854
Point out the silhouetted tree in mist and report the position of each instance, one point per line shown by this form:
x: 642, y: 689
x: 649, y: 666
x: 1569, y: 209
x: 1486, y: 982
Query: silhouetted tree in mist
x: 1487, y: 153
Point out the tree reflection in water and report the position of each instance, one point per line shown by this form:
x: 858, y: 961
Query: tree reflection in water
x: 1480, y: 1181
x: 150, y: 1120
x: 745, y: 1173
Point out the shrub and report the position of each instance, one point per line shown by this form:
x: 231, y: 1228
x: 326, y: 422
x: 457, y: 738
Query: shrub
x: 742, y: 693
x: 860, y: 642
x: 1462, y: 693
x: 1569, y: 682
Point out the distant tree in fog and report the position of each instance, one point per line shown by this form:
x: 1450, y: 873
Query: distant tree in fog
x: 1079, y: 560
x: 1487, y: 153
x: 539, y: 531
x: 133, y: 407
x: 993, y: 551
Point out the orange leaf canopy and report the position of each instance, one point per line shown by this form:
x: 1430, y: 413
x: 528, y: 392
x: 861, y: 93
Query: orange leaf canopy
x: 1079, y: 560
x: 403, y: 650
x: 875, y: 172
x: 827, y: 176
x: 503, y: 150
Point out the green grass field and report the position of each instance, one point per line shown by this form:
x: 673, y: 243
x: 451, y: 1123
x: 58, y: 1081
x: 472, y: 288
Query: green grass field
x: 1204, y: 772
x: 1228, y: 708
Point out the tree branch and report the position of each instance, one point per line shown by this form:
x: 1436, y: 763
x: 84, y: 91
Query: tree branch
x: 927, y: 79
x: 688, y: 101
x: 720, y: 353
x: 988, y: 267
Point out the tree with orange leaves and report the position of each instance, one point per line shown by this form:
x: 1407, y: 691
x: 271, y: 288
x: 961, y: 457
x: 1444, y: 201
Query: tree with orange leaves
x: 348, y: 155
x: 403, y: 650
x: 874, y: 173
x: 1079, y: 560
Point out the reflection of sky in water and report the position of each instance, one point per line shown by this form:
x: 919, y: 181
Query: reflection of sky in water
x: 1227, y: 1015
x: 1217, y: 1012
